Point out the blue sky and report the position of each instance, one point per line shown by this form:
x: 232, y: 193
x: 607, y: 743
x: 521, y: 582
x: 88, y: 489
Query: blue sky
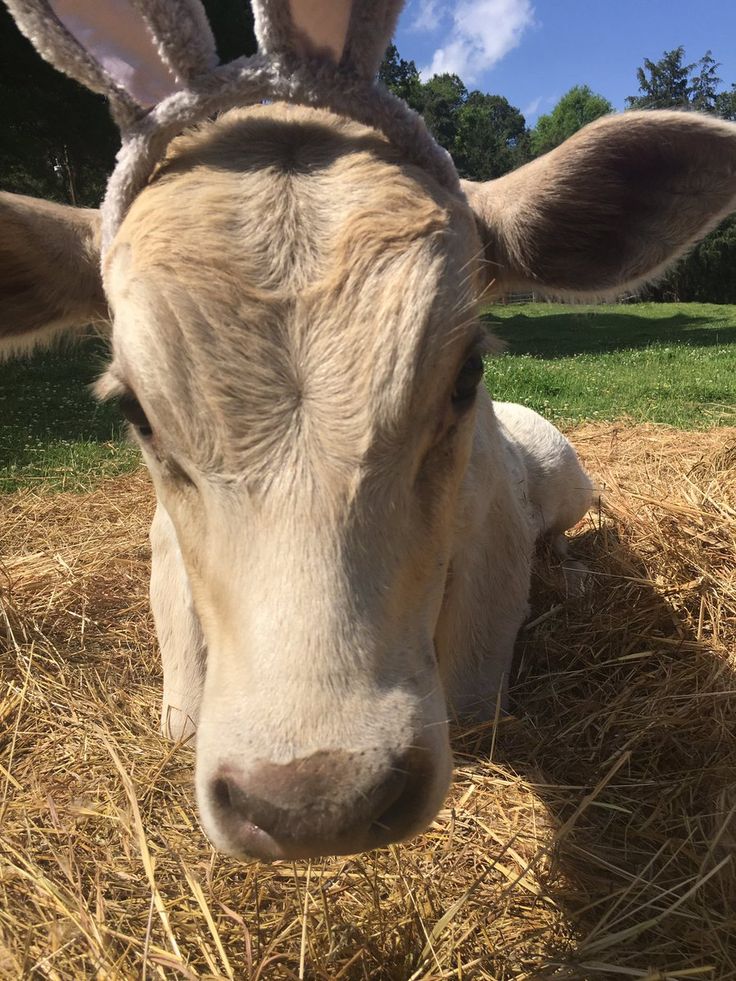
x: 533, y: 51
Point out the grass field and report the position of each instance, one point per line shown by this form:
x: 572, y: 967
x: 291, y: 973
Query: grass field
x: 655, y: 362
x: 665, y: 363
x: 53, y: 432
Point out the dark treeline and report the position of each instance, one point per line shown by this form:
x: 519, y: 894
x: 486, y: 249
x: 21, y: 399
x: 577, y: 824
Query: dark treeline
x: 57, y: 140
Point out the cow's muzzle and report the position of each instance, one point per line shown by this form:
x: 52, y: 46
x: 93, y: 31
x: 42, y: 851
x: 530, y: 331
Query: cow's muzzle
x: 330, y: 803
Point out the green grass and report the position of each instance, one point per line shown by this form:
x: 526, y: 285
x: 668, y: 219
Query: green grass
x: 52, y: 431
x: 665, y: 363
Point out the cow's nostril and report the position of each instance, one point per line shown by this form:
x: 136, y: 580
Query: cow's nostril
x: 391, y: 813
x: 384, y: 796
x: 221, y: 793
x: 392, y: 816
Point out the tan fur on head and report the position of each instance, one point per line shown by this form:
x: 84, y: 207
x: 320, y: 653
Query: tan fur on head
x: 315, y: 216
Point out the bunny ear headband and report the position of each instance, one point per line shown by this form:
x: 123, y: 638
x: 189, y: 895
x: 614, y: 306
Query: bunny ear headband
x: 155, y: 61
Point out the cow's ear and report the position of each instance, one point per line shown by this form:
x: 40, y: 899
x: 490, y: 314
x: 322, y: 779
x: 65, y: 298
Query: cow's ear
x: 49, y: 271
x: 611, y: 208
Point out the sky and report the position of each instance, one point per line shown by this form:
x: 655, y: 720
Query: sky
x: 533, y: 51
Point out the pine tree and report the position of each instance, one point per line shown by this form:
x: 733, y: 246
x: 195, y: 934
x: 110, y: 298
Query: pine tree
x: 663, y: 84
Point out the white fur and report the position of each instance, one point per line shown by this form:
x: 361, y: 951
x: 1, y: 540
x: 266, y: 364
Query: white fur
x: 559, y: 490
x: 524, y: 482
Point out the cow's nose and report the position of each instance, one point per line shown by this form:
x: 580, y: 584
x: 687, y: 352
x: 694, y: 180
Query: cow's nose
x: 325, y: 804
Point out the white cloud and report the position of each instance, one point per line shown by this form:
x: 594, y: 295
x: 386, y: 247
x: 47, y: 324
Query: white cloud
x: 537, y: 106
x: 481, y: 33
x: 428, y: 18
x: 533, y: 108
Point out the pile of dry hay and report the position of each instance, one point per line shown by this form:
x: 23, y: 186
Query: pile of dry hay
x: 590, y: 836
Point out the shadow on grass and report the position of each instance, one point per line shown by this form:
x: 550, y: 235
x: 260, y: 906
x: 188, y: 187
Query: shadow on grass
x: 561, y: 335
x: 622, y: 728
x: 46, y: 400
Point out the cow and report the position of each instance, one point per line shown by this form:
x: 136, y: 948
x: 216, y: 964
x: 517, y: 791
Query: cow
x: 345, y: 523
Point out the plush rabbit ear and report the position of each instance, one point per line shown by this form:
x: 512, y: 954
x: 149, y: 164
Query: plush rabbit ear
x: 372, y: 26
x: 135, y: 52
x: 354, y: 34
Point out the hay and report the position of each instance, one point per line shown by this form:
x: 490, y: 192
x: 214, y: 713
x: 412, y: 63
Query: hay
x: 590, y: 836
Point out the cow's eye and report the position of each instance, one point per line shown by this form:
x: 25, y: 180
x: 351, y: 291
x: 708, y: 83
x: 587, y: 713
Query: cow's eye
x: 467, y: 381
x: 133, y: 412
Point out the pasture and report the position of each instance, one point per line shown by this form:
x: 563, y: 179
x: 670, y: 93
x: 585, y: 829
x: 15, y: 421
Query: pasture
x: 588, y: 835
x: 652, y: 362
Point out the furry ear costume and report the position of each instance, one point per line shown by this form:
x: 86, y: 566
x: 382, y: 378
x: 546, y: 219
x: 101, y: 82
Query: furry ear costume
x: 155, y: 61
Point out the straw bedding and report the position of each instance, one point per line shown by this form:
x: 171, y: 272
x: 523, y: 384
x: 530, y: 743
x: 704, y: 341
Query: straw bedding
x: 590, y: 835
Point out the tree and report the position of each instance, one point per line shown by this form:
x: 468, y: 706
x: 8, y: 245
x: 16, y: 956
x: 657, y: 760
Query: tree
x: 488, y: 138
x: 401, y: 77
x: 670, y: 84
x: 441, y: 99
x: 663, y: 84
x: 576, y: 109
x: 232, y: 25
x: 725, y: 105
x: 704, y: 85
x: 707, y: 275
x: 485, y: 135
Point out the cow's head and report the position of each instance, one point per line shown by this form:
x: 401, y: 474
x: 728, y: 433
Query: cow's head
x: 295, y: 344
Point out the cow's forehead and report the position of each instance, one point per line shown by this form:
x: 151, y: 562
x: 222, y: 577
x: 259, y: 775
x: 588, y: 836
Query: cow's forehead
x: 294, y: 196
x: 287, y: 263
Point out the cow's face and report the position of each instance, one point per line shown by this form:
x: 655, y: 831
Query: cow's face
x: 294, y: 341
x: 301, y: 370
